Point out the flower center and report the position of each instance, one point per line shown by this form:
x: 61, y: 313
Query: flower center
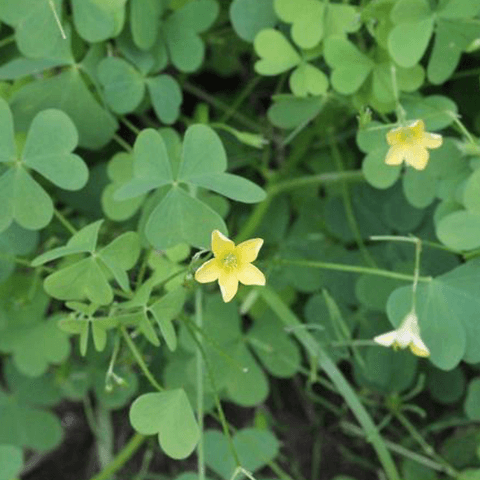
x: 408, y: 135
x: 229, y: 262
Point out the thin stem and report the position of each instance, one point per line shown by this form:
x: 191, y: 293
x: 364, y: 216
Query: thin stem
x: 199, y: 362
x: 352, y: 269
x: 428, y: 449
x: 18, y: 260
x: 122, y: 143
x: 347, y: 202
x: 57, y: 19
x: 462, y: 128
x: 104, y: 435
x: 65, y: 222
x: 123, y: 456
x: 130, y: 125
x: 7, y: 41
x: 140, y: 361
x: 240, y: 99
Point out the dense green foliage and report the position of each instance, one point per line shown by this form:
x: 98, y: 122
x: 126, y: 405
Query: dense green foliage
x: 130, y: 130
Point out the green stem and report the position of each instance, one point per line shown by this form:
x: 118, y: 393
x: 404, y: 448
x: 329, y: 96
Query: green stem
x: 104, y: 436
x: 140, y: 361
x: 240, y: 99
x: 7, y: 41
x: 12, y: 258
x: 275, y: 189
x: 347, y: 202
x: 428, y: 449
x: 65, y: 222
x: 289, y: 319
x: 199, y: 361
x: 463, y: 128
x: 130, y: 125
x: 122, y: 143
x: 123, y: 456
x: 352, y: 269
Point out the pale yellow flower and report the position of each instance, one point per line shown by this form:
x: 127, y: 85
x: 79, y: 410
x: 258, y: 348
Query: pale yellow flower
x: 406, y: 335
x: 231, y: 264
x: 410, y: 143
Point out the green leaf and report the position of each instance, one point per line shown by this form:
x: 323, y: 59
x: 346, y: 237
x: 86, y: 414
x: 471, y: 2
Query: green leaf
x: 451, y: 39
x: 290, y: 112
x: 202, y: 153
x: 170, y: 415
x: 181, y: 218
x: 255, y: 449
x: 120, y: 171
x: 453, y: 9
x: 231, y: 186
x: 144, y: 22
x: 460, y: 230
x: 377, y: 172
x: 249, y: 17
x: 68, y: 92
x: 419, y: 187
x: 350, y: 66
x: 83, y: 279
x: 436, y: 111
x: 307, y: 17
x: 408, y: 41
x: 447, y: 309
x: 472, y: 401
x: 151, y: 166
x: 166, y: 97
x: 36, y: 31
x: 165, y: 310
x: 11, y: 461
x: 307, y: 79
x: 181, y: 33
x: 471, y: 193
x: 51, y: 138
x: 123, y: 85
x: 446, y: 387
x: 276, y: 53
x: 96, y: 21
x: 8, y: 152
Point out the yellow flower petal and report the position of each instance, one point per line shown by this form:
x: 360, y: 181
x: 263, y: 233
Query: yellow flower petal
x: 417, y: 157
x: 221, y: 244
x: 417, y: 128
x: 248, y: 251
x: 395, y: 155
x: 250, y: 275
x: 208, y: 272
x: 394, y: 137
x: 228, y: 285
x: 419, y: 348
x: 387, y: 339
x: 432, y: 140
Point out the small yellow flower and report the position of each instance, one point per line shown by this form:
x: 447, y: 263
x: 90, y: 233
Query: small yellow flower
x: 231, y: 264
x: 406, y: 335
x: 410, y: 144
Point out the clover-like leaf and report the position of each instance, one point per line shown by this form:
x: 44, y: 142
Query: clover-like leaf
x: 350, y: 66
x: 145, y: 22
x: 11, y: 460
x: 166, y: 96
x: 88, y: 278
x: 276, y: 53
x: 123, y: 85
x: 307, y: 79
x: 249, y: 17
x: 170, y: 415
x: 181, y: 33
x: 14, y: 241
x: 307, y: 17
x: 67, y: 92
x: 289, y: 111
x: 96, y: 21
x: 36, y: 31
x: 255, y: 448
x: 51, y: 138
x: 447, y: 309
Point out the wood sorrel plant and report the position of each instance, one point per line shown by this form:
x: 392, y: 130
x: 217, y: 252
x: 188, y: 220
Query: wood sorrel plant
x: 148, y: 149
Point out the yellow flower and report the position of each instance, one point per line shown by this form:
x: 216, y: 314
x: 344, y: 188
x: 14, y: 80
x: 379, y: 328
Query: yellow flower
x: 406, y: 335
x: 231, y: 264
x: 410, y: 144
